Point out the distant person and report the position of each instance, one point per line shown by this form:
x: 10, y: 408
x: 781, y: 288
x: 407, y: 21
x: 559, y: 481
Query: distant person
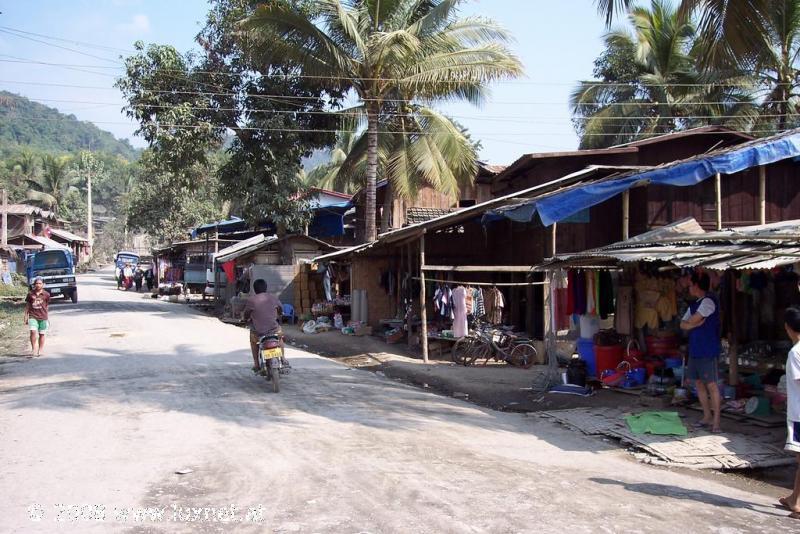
x: 149, y: 278
x: 702, y: 324
x: 127, y: 273
x: 261, y: 311
x: 791, y: 319
x: 138, y: 278
x: 36, y: 317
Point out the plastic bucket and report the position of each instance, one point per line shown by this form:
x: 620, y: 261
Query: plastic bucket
x: 586, y: 352
x: 607, y: 357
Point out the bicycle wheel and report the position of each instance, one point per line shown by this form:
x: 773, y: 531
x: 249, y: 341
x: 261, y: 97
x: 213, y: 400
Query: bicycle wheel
x: 462, y: 350
x: 523, y: 355
x: 480, y: 349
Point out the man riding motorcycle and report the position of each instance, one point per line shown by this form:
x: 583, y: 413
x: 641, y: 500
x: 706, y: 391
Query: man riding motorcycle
x: 262, y: 311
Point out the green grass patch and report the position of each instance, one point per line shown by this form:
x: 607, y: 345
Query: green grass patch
x: 18, y: 287
x: 12, y: 330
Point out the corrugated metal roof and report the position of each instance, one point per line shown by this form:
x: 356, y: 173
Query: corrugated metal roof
x: 685, y: 244
x: 243, y: 247
x: 465, y: 214
x: 69, y: 236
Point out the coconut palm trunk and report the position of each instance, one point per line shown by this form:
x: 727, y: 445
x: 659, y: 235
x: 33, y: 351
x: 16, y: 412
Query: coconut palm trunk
x: 370, y: 231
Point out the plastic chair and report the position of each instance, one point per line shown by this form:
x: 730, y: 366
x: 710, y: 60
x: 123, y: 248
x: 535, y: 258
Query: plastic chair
x: 288, y: 312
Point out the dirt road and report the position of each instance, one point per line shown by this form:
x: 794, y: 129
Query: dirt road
x: 132, y: 390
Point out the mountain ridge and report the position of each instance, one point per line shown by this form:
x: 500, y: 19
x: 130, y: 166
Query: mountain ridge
x: 25, y: 123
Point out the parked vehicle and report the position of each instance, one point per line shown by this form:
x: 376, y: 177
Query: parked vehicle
x: 270, y: 359
x: 123, y: 257
x: 56, y: 266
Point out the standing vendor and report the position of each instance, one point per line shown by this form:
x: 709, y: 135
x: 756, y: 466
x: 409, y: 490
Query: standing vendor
x: 702, y: 324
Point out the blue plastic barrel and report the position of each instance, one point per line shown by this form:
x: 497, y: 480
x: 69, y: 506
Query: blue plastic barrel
x: 586, y: 352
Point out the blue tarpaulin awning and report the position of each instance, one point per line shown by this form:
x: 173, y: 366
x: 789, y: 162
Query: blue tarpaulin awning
x: 564, y: 204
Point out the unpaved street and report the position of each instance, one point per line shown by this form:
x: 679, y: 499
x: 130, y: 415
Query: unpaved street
x: 132, y: 390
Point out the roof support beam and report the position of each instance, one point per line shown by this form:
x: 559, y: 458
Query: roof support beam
x: 718, y: 198
x: 479, y: 268
x: 762, y: 195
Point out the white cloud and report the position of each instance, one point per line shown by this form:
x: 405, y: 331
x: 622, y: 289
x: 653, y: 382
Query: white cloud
x: 138, y: 24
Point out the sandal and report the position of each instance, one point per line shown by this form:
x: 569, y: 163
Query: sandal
x: 716, y: 431
x: 700, y: 424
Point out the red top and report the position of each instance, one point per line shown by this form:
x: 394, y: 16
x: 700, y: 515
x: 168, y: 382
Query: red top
x: 37, y: 305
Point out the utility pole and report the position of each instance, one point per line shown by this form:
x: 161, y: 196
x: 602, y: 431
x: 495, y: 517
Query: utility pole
x: 5, y: 218
x: 89, y: 229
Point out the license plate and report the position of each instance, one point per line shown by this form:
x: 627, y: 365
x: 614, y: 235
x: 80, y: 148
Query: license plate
x: 55, y: 291
x: 268, y: 354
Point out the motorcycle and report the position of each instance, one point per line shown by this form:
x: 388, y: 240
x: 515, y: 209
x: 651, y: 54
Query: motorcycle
x: 270, y: 359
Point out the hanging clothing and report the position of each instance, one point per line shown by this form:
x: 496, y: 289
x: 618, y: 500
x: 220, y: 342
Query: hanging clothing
x: 667, y: 305
x: 494, y: 306
x: 605, y: 300
x: 459, y: 312
x: 623, y: 316
x: 570, y: 309
x: 230, y: 270
x: 469, y: 296
x: 477, y: 298
x: 591, y: 304
x: 580, y: 292
x: 443, y: 302
x: 647, y: 294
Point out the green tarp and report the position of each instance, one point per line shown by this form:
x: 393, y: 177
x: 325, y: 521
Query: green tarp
x: 660, y: 423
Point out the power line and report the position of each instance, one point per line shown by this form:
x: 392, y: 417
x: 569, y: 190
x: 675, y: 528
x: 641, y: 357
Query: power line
x: 596, y: 83
x: 320, y: 130
x: 289, y: 97
x: 70, y: 41
x: 59, y: 46
x: 493, y: 118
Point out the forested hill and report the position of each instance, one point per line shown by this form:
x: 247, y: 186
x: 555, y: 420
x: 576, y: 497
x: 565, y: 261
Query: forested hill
x: 24, y: 123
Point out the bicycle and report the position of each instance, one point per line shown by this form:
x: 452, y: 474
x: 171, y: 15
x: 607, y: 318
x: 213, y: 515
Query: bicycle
x: 487, y: 343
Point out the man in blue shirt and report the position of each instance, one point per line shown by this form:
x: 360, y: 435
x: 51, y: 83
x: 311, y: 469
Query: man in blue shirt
x: 702, y: 324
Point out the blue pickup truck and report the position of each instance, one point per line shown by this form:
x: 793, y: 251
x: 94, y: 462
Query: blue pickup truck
x: 57, y: 268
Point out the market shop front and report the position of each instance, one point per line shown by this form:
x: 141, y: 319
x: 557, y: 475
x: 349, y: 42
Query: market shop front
x: 627, y: 329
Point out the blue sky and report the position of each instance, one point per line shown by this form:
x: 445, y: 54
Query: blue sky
x: 556, y: 40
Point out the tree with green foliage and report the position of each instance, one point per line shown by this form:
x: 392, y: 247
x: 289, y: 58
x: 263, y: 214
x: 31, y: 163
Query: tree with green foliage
x: 775, y: 66
x: 56, y: 181
x: 188, y: 105
x: 390, y: 51
x: 652, y: 83
x: 165, y: 207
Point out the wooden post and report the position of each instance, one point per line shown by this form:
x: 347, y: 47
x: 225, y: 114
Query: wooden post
x: 762, y: 195
x: 5, y: 218
x: 408, y: 307
x: 553, y: 234
x: 718, y: 198
x: 733, y: 335
x: 423, y: 312
x: 626, y: 214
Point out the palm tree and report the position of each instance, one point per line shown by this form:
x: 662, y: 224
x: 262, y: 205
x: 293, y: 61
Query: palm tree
x: 775, y: 65
x: 380, y: 48
x: 55, y: 182
x: 330, y: 175
x: 732, y: 27
x: 665, y: 91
